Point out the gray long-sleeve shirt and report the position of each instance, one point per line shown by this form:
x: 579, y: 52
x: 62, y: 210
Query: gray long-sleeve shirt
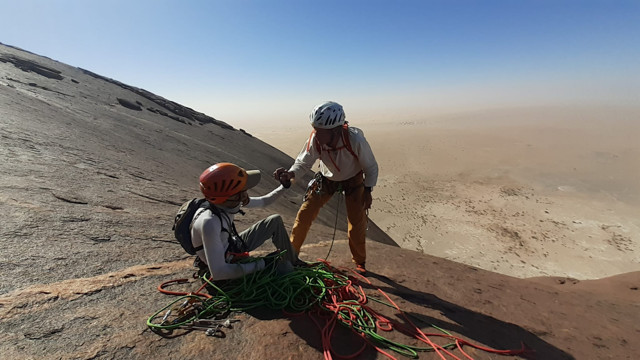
x: 207, y: 231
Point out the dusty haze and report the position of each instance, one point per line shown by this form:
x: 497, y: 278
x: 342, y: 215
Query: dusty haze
x: 524, y: 192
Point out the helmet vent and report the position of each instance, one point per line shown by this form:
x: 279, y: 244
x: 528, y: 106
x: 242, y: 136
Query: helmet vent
x: 330, y: 121
x: 234, y: 186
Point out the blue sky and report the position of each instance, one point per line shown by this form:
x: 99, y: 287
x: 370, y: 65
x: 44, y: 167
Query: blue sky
x: 271, y: 61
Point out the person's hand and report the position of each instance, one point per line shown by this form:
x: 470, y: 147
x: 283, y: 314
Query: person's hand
x: 367, y: 200
x: 278, y: 172
x: 284, y: 176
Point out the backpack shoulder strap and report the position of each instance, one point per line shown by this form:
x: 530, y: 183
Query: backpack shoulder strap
x: 236, y: 243
x: 315, y: 141
x: 202, y: 204
x: 215, y: 211
x: 346, y: 140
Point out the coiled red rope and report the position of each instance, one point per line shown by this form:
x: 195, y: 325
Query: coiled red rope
x: 347, y: 305
x: 342, y: 300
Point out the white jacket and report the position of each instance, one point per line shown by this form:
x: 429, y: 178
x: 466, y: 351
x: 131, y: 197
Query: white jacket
x: 340, y: 164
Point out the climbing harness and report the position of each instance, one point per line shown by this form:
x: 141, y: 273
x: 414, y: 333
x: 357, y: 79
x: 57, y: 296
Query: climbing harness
x: 316, y: 186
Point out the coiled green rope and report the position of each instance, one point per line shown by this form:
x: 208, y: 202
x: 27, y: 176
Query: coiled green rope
x: 294, y: 292
x: 327, y: 294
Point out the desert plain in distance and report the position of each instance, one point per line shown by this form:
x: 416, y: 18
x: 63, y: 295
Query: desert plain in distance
x: 525, y: 192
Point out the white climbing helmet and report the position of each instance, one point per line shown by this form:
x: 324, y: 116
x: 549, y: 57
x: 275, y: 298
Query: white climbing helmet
x: 327, y: 115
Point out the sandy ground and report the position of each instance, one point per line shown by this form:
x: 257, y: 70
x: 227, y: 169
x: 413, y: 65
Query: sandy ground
x: 523, y: 192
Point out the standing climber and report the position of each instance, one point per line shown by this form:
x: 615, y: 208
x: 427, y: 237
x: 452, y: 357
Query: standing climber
x: 346, y: 164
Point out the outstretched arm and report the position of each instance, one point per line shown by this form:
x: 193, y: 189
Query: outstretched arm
x: 265, y: 200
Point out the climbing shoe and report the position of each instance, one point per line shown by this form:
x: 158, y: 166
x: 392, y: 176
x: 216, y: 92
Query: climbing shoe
x: 360, y: 269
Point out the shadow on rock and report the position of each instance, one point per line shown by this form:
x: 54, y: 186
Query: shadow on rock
x: 473, y: 325
x: 343, y: 342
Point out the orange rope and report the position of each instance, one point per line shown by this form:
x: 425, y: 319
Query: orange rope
x: 198, y: 292
x: 355, y: 292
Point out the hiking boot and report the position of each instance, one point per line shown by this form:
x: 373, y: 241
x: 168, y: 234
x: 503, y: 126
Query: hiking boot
x: 360, y: 269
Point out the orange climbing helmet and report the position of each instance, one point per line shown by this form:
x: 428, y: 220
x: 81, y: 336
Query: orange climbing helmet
x: 223, y: 180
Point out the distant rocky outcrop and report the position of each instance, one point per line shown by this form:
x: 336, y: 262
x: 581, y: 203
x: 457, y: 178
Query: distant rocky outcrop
x: 172, y: 110
x: 30, y: 66
x: 129, y: 104
x: 171, y: 106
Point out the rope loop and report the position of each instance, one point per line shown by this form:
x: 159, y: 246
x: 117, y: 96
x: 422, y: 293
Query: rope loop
x: 328, y: 295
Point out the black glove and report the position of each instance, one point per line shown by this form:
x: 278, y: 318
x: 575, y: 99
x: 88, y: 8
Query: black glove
x: 284, y: 176
x: 286, y: 183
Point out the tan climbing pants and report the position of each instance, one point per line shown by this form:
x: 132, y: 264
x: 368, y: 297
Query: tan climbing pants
x: 356, y: 215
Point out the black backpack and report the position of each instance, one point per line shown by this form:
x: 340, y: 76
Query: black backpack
x: 182, y: 226
x: 182, y: 223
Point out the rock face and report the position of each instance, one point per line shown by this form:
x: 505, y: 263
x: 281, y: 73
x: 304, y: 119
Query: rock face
x: 92, y: 173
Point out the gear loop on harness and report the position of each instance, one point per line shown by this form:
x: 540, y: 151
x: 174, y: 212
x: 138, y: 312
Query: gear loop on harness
x: 314, y: 185
x: 320, y: 184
